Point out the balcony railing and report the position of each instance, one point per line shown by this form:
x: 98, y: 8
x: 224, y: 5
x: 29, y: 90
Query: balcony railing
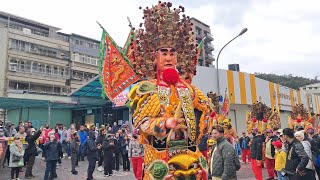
x: 209, y: 47
x: 209, y: 37
x: 209, y: 57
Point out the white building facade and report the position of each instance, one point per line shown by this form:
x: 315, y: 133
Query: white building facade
x: 244, y: 89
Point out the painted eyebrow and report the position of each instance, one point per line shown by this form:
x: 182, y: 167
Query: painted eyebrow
x: 164, y: 50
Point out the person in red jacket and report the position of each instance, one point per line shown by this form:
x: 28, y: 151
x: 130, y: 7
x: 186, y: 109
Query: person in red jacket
x: 44, y: 137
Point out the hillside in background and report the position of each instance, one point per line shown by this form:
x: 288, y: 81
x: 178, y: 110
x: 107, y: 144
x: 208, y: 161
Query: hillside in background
x: 293, y: 82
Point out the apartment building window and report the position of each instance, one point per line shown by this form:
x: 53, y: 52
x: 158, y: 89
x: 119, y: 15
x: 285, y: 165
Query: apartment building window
x: 200, y: 61
x: 57, y: 90
x: 27, y: 66
x: 198, y: 31
x: 47, y: 70
x: 39, y: 88
x: 18, y: 85
x: 84, y: 58
x: 38, y: 49
x: 20, y: 45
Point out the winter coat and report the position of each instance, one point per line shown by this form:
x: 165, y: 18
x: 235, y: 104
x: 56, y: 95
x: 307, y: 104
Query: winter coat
x: 75, y: 145
x: 108, y: 149
x: 16, y: 151
x: 256, y: 148
x: 45, y: 135
x: 280, y: 160
x: 297, y: 158
x: 83, y: 136
x: 203, y: 143
x: 135, y: 149
x: 247, y: 142
x: 307, y: 149
x: 92, y: 148
x: 53, y: 150
x: 315, y: 144
x: 272, y: 139
x: 222, y: 161
x: 117, y: 143
x: 125, y: 147
x: 32, y: 147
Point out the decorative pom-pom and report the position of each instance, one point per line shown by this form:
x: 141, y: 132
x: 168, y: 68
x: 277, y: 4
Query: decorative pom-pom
x: 254, y: 120
x: 170, y: 76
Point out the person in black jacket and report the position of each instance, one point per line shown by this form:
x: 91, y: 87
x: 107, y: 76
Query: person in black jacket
x: 75, y: 145
x: 100, y: 140
x: 108, y: 150
x: 53, y: 153
x: 203, y: 146
x: 297, y: 159
x: 256, y: 153
x: 125, y: 147
x: 315, y: 145
x: 31, y: 151
x: 91, y: 154
x: 117, y: 143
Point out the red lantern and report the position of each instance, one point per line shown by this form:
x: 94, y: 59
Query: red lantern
x: 265, y: 120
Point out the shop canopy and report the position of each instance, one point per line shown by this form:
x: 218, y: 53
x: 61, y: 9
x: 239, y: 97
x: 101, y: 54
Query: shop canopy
x: 15, y: 103
x: 91, y: 89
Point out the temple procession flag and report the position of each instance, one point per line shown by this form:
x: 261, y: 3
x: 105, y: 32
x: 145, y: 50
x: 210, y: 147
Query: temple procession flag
x: 116, y: 72
x: 225, y: 105
x: 130, y: 45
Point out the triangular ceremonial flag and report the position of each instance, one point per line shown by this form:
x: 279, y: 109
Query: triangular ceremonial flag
x: 117, y: 74
x: 225, y: 106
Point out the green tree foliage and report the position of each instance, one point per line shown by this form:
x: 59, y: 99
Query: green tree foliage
x: 288, y: 80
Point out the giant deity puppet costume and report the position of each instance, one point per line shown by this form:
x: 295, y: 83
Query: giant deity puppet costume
x: 171, y: 114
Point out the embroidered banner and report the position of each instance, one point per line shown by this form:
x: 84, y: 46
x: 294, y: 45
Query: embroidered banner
x: 117, y: 73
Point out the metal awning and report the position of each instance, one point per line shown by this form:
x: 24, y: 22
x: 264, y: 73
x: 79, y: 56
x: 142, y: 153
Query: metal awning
x: 91, y: 89
x: 15, y: 103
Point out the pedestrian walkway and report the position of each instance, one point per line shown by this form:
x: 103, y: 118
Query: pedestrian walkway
x: 245, y: 173
x: 64, y: 172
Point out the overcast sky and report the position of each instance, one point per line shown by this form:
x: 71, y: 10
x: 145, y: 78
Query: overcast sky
x: 283, y: 35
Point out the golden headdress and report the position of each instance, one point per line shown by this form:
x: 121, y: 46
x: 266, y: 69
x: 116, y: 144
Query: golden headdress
x: 300, y: 117
x: 258, y: 117
x: 164, y: 27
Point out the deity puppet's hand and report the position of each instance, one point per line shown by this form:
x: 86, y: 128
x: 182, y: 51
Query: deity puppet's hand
x: 172, y: 122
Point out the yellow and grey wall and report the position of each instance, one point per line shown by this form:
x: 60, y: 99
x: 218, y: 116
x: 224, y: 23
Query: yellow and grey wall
x: 244, y: 89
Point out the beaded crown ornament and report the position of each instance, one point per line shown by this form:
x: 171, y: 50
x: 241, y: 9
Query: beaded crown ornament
x: 164, y: 27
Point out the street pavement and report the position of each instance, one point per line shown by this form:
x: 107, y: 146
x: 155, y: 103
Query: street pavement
x: 245, y: 173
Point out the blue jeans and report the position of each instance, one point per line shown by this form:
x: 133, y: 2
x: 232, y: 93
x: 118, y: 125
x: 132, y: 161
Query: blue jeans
x: 280, y: 177
x: 68, y: 149
x: 51, y: 167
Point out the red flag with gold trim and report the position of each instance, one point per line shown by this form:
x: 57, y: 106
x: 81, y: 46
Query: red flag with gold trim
x: 225, y: 105
x: 117, y: 73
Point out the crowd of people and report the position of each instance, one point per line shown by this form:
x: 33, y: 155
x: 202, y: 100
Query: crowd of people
x: 108, y: 146
x: 286, y: 153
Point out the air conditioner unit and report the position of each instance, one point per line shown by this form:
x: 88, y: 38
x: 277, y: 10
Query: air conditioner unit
x: 13, y: 68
